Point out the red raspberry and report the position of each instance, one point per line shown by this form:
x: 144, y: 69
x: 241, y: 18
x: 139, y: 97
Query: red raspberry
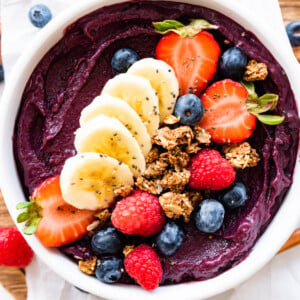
x: 210, y: 171
x: 14, y: 251
x: 143, y: 264
x: 139, y: 214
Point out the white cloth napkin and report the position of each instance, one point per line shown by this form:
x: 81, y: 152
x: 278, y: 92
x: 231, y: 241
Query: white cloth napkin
x: 279, y: 280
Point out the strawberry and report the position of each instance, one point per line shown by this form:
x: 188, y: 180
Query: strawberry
x: 14, y: 251
x: 193, y: 58
x: 226, y: 117
x: 54, y: 221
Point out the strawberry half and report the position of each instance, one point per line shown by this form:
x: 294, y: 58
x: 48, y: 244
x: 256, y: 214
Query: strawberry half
x: 54, y: 221
x: 193, y: 58
x: 225, y: 112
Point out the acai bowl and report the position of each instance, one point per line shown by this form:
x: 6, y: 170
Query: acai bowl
x: 167, y: 289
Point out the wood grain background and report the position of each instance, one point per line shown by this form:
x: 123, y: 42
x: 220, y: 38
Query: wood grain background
x: 13, y: 279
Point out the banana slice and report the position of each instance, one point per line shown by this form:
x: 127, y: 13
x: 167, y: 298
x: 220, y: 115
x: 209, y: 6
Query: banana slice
x: 139, y: 94
x: 88, y: 180
x: 162, y: 78
x: 119, y: 109
x: 109, y: 136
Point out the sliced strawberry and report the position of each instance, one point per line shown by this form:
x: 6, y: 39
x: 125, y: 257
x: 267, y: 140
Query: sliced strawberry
x: 194, y: 59
x: 225, y: 113
x: 61, y: 223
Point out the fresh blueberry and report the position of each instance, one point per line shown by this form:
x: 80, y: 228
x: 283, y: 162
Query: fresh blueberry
x: 40, y: 15
x: 169, y: 239
x: 107, y: 241
x: 1, y: 73
x: 210, y: 215
x: 123, y: 59
x: 292, y: 30
x: 232, y: 63
x: 109, y: 270
x: 189, y: 108
x: 235, y: 196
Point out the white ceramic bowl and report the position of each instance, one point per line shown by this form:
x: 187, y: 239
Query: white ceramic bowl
x: 277, y: 233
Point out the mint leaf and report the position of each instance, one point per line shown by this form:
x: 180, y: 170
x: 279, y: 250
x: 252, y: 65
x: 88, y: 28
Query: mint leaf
x: 270, y: 119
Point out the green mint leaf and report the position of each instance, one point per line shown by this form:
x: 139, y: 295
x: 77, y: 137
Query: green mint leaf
x: 22, y: 205
x: 166, y: 26
x: 270, y: 119
x: 23, y: 217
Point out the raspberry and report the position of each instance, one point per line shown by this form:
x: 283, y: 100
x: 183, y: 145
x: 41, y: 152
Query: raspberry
x: 210, y: 171
x: 139, y: 214
x: 143, y: 264
x: 14, y: 251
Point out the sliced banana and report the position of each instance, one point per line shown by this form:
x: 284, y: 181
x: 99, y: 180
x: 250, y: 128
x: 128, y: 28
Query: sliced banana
x: 162, y: 78
x: 88, y: 180
x: 139, y: 94
x: 109, y: 136
x: 119, y: 109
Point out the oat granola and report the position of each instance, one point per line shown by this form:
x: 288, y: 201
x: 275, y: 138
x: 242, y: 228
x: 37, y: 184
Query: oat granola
x: 176, y: 205
x: 151, y: 186
x: 88, y: 266
x: 155, y: 169
x: 241, y: 155
x: 171, y: 120
x: 102, y: 216
x: 255, y: 71
x: 175, y: 181
x: 123, y: 190
x: 201, y: 135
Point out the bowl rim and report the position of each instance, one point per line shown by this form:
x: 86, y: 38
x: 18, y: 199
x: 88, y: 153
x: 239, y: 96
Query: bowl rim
x: 265, y: 248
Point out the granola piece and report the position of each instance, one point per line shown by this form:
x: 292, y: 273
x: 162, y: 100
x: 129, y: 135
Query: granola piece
x: 127, y: 249
x: 156, y: 169
x: 171, y: 120
x: 176, y: 205
x: 150, y: 186
x: 152, y: 155
x: 175, y: 180
x: 88, y: 266
x: 178, y: 158
x: 201, y: 135
x: 93, y: 225
x: 195, y: 197
x: 241, y: 155
x: 123, y: 190
x: 255, y: 71
x: 170, y: 138
x: 102, y: 215
x: 192, y: 148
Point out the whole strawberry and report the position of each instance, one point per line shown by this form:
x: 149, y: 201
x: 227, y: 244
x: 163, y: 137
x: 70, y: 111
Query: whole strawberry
x: 143, y: 264
x: 210, y: 171
x: 139, y: 214
x: 14, y: 251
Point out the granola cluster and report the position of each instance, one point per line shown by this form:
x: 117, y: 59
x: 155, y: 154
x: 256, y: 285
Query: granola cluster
x: 255, y: 71
x: 166, y: 174
x: 88, y: 266
x: 241, y: 155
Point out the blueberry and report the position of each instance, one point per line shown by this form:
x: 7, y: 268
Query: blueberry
x: 169, y: 239
x: 109, y: 270
x: 189, y: 108
x: 292, y: 30
x: 235, y: 196
x: 107, y: 241
x: 39, y: 15
x: 1, y: 73
x: 232, y: 63
x: 210, y: 215
x: 123, y: 59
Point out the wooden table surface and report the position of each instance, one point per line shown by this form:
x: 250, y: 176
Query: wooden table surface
x: 13, y: 279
